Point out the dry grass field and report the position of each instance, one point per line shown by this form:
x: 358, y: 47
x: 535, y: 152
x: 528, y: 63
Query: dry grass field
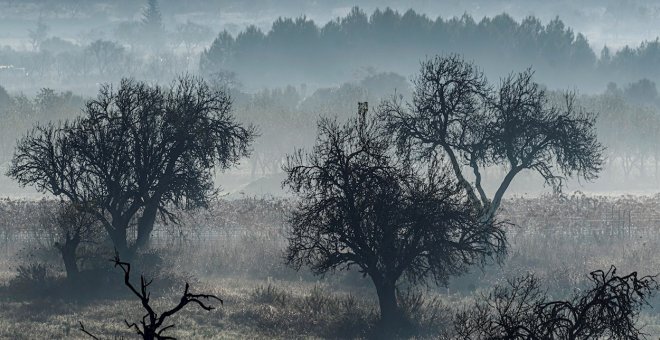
x: 236, y: 251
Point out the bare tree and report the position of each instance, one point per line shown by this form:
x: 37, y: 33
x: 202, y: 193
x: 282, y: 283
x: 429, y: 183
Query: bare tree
x: 135, y: 153
x: 609, y: 309
x: 153, y: 324
x: 361, y: 205
x: 457, y: 115
x: 73, y: 226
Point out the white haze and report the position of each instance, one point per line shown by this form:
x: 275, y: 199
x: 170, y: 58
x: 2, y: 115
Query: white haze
x: 612, y: 23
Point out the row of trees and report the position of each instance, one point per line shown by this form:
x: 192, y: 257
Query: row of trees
x: 630, y: 133
x: 274, y: 110
x: 296, y: 51
x: 148, y: 34
x: 299, y: 49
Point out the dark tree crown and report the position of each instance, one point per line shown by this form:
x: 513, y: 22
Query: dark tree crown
x: 522, y: 310
x: 363, y: 205
x: 456, y: 115
x: 135, y: 151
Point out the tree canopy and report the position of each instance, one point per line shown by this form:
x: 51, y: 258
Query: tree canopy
x: 456, y: 114
x: 136, y: 151
x: 609, y: 308
x: 384, y: 40
x: 301, y: 50
x: 362, y: 205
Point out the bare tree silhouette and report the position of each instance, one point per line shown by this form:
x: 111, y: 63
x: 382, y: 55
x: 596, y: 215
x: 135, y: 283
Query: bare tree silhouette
x: 522, y: 310
x: 457, y: 115
x: 363, y: 205
x: 136, y: 152
x: 74, y: 227
x: 152, y: 325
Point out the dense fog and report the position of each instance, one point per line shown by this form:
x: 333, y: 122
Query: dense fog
x: 298, y: 57
x: 462, y: 169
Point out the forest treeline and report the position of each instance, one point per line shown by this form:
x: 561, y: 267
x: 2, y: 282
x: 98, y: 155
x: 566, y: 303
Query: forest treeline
x: 300, y: 49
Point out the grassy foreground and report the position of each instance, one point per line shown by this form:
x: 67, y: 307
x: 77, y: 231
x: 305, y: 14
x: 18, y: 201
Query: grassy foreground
x: 236, y: 253
x: 252, y: 309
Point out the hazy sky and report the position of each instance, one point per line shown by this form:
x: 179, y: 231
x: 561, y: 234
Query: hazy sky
x: 615, y: 23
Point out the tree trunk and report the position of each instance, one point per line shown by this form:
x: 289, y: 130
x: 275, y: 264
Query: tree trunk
x: 119, y: 241
x: 391, y: 318
x: 70, y: 265
x: 146, y: 225
x: 626, y: 166
x: 149, y: 334
x: 489, y: 214
x: 68, y: 252
x: 461, y: 179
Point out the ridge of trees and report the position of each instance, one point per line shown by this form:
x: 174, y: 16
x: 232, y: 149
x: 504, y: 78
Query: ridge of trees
x: 299, y: 46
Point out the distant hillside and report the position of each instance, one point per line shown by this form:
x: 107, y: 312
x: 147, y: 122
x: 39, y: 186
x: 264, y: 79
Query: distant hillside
x: 299, y: 50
